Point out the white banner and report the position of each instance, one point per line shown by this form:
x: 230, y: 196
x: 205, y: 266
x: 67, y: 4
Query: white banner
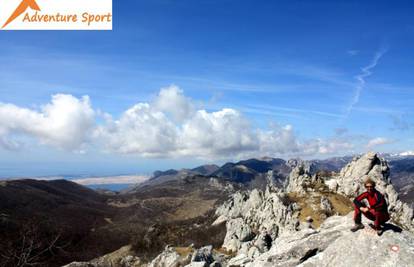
x: 56, y: 14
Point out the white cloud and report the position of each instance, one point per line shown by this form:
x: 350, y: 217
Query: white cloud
x: 361, y: 79
x: 169, y: 126
x: 278, y: 140
x: 172, y: 100
x: 141, y: 130
x: 407, y: 153
x: 66, y: 122
x: 378, y: 141
x: 334, y: 146
x: 224, y: 132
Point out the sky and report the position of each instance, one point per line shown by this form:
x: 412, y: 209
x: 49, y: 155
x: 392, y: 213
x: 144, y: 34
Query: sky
x: 177, y: 84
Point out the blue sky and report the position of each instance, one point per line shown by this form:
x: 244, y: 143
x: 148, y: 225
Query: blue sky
x: 306, y: 78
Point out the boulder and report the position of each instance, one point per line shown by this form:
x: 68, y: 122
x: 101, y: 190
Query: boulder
x: 326, y: 205
x: 168, y: 258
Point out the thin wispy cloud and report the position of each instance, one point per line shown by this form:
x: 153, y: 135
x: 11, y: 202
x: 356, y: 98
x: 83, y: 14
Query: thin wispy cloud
x: 266, y: 112
x: 361, y: 79
x: 296, y: 111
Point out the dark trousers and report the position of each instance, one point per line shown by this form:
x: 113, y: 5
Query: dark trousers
x: 379, y: 217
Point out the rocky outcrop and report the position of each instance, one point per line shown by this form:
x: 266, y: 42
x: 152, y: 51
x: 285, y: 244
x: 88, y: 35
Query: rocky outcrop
x: 350, y: 181
x: 351, y: 178
x: 247, y: 214
x: 123, y: 257
x: 301, y: 179
x: 216, y: 183
x: 189, y: 257
x: 334, y: 245
x: 169, y: 258
x: 288, y: 216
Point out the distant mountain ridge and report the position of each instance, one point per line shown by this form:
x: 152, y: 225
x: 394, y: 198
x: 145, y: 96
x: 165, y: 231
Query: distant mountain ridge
x: 246, y: 171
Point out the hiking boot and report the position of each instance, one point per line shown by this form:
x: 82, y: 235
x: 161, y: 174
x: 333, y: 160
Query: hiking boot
x: 357, y: 227
x: 380, y: 232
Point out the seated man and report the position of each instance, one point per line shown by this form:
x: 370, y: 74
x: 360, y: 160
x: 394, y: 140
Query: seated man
x: 377, y: 211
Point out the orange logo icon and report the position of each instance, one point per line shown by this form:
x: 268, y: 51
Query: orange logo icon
x: 22, y: 8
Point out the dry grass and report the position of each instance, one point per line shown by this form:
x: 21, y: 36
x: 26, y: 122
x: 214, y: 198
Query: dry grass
x: 342, y: 205
x: 123, y: 204
x: 184, y: 251
x: 310, y: 206
x: 192, y: 208
x: 225, y: 252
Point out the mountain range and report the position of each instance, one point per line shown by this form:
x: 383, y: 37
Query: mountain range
x: 68, y: 222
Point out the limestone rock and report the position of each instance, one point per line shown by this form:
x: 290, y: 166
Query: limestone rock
x: 335, y: 245
x: 237, y: 232
x: 197, y: 264
x: 249, y: 213
x: 122, y: 257
x: 351, y: 178
x: 300, y: 179
x: 239, y: 260
x: 326, y: 205
x: 214, y: 182
x: 168, y: 258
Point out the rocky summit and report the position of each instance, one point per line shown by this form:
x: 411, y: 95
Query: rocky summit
x: 304, y: 223
x: 334, y: 245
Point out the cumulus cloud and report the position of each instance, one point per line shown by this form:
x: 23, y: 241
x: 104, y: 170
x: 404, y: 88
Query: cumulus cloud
x: 378, y: 141
x: 333, y: 146
x: 140, y: 130
x: 172, y: 100
x: 217, y: 133
x: 66, y: 122
x: 168, y: 126
x: 279, y: 140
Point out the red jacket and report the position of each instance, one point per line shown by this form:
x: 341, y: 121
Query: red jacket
x: 375, y: 199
